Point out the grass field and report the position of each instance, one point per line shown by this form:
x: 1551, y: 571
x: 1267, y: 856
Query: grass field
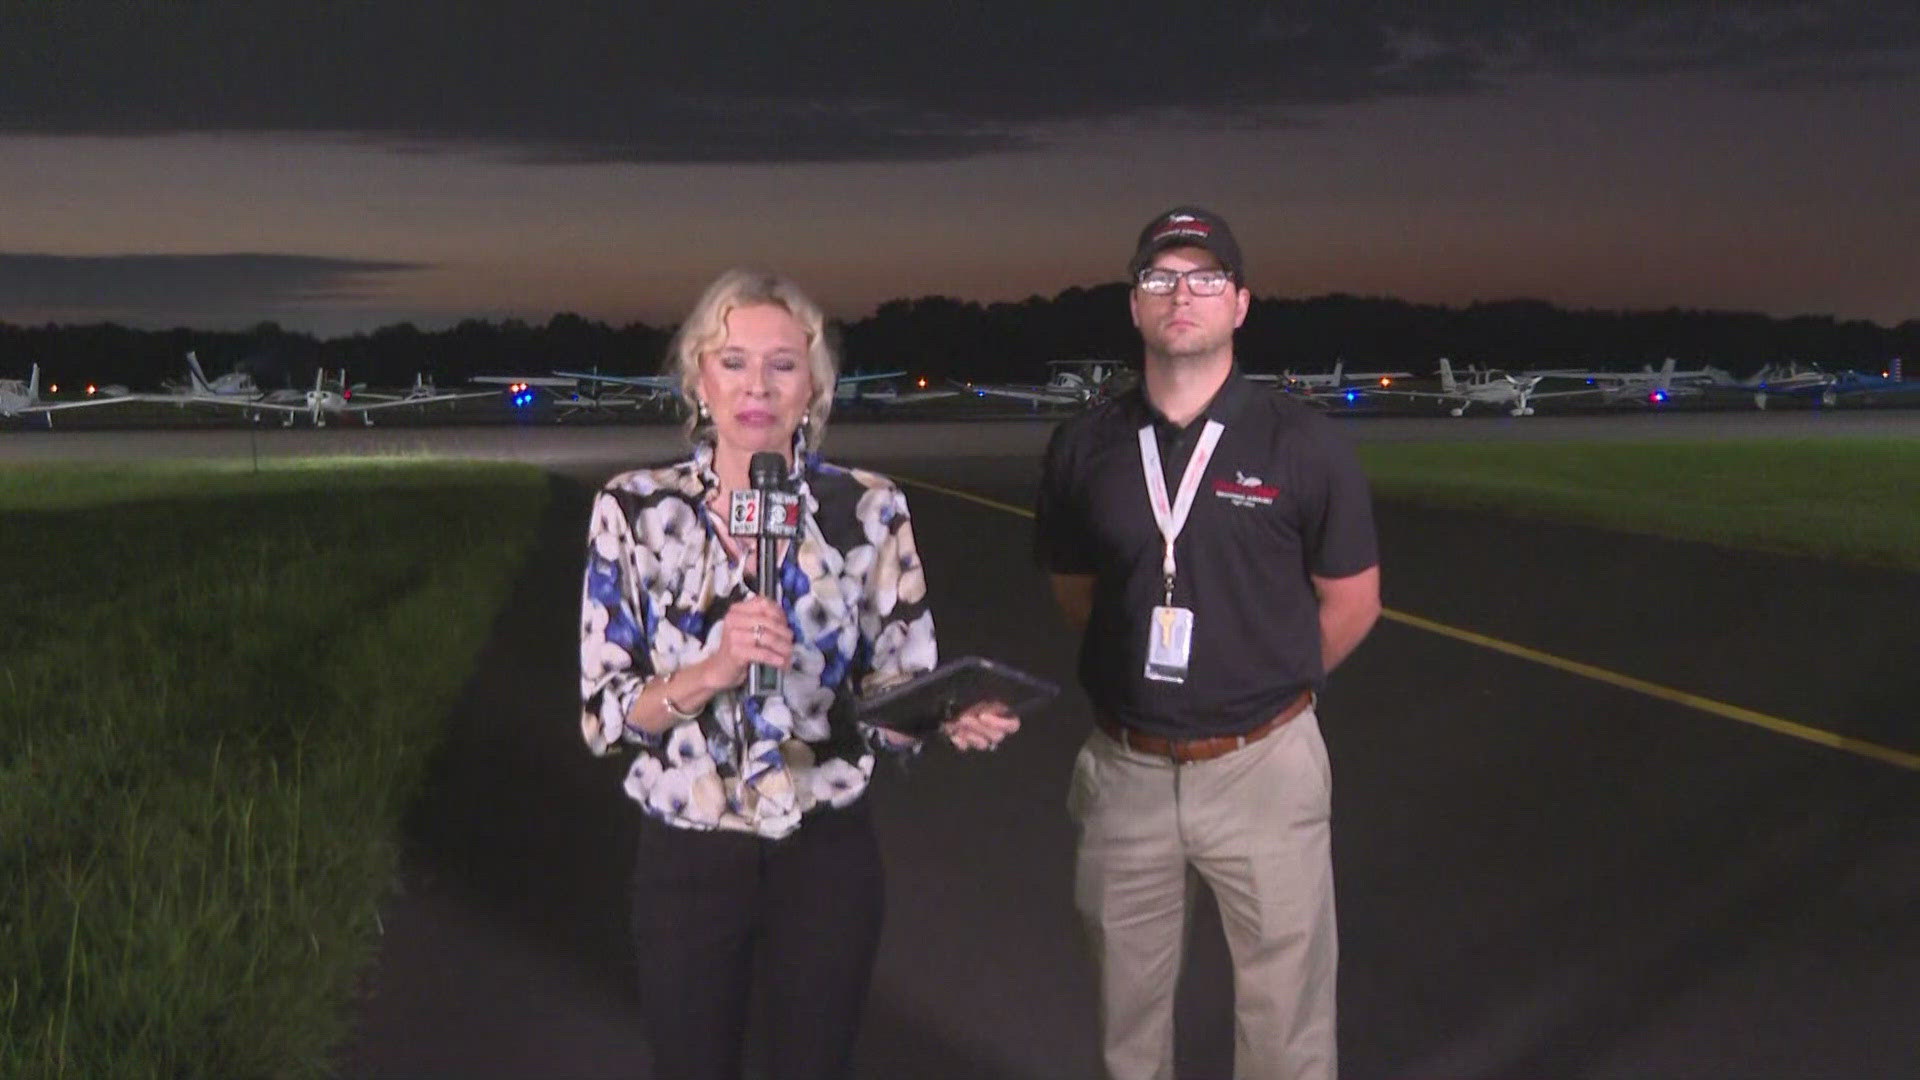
x: 1856, y: 500
x: 218, y: 690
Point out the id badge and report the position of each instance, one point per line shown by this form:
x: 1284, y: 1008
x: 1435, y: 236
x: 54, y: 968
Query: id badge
x: 1169, y: 644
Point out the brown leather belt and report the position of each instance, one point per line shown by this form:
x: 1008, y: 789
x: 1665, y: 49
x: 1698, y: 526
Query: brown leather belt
x: 1187, y: 751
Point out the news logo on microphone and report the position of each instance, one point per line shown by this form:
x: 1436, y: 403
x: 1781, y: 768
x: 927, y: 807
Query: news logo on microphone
x: 769, y: 513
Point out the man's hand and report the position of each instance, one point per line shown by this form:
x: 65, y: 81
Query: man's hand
x: 1348, y: 608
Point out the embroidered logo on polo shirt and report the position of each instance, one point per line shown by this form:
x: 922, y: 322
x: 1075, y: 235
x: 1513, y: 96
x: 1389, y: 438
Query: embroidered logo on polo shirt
x: 1244, y: 490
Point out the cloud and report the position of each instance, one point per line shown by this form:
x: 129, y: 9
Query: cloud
x: 723, y: 82
x: 115, y: 286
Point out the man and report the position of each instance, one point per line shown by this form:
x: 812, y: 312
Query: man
x: 1214, y: 545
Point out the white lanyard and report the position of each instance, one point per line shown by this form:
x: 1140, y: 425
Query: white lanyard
x: 1172, y: 519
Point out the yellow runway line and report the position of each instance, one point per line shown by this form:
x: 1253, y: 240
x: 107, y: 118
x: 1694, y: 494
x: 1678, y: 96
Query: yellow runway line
x: 1859, y: 747
x: 1666, y: 693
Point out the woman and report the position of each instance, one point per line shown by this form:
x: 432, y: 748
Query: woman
x: 757, y: 859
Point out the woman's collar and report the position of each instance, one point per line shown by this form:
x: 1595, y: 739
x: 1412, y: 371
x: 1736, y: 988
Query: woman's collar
x: 804, y: 463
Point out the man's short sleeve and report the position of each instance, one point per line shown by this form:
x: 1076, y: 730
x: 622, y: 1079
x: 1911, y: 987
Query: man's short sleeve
x: 1338, y: 528
x: 1062, y: 543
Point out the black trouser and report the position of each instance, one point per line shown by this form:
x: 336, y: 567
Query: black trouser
x: 714, y: 913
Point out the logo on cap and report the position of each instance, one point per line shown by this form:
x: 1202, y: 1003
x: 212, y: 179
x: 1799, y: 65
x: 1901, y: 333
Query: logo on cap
x: 1183, y: 225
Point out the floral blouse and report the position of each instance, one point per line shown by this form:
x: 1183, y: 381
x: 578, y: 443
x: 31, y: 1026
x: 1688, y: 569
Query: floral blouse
x: 658, y: 583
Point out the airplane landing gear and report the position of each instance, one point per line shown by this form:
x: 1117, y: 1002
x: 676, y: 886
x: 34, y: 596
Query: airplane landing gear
x: 1461, y: 411
x: 1760, y: 401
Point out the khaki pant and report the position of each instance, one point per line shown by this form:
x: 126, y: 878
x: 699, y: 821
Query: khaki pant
x: 1256, y: 824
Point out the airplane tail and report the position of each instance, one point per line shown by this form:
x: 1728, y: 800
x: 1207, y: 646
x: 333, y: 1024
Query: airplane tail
x: 1338, y: 366
x: 1447, y: 385
x: 196, y: 377
x: 33, y: 386
x: 1665, y: 381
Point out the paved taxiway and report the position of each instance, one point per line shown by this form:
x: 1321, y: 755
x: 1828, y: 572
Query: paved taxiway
x: 1540, y: 874
x: 551, y: 444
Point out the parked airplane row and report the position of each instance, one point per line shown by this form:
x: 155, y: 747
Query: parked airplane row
x: 236, y: 390
x: 584, y: 391
x: 1070, y: 384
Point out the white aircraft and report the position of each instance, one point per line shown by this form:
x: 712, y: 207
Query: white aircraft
x: 421, y: 393
x: 232, y: 388
x: 1071, y: 383
x: 1648, y: 385
x: 19, y: 398
x: 1791, y: 379
x: 1321, y: 387
x: 329, y: 400
x: 883, y: 389
x: 1488, y: 388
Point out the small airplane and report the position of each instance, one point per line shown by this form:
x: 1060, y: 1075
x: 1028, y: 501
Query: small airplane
x: 422, y: 393
x: 882, y: 389
x: 629, y: 391
x: 232, y: 388
x: 1648, y: 385
x: 1488, y: 388
x: 22, y: 398
x: 326, y: 400
x: 1790, y: 380
x: 1320, y: 388
x: 1070, y: 383
x: 1868, y: 386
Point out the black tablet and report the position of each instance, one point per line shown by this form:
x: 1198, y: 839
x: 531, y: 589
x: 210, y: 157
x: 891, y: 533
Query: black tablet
x: 920, y: 705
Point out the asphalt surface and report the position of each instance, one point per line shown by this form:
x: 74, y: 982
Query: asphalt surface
x: 1540, y: 875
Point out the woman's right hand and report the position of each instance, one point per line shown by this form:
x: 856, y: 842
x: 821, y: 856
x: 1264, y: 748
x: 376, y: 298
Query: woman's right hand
x: 754, y: 631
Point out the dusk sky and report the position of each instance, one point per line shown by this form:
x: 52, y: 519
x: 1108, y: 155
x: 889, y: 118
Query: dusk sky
x: 352, y: 165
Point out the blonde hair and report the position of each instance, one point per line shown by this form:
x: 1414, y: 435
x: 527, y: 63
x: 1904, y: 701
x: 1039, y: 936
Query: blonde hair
x: 705, y: 330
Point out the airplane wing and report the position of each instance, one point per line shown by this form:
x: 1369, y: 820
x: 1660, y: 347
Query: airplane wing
x: 262, y: 406
x: 644, y: 382
x: 879, y: 376
x: 1032, y: 394
x: 1534, y: 395
x: 550, y: 382
x: 427, y: 399
x: 1413, y: 394
x: 911, y: 397
x: 61, y: 406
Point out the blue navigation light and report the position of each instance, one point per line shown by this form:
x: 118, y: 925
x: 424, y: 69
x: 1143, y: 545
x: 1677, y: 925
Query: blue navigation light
x: 1352, y: 396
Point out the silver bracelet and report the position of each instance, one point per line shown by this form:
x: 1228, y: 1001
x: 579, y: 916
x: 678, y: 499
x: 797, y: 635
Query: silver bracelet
x: 673, y: 709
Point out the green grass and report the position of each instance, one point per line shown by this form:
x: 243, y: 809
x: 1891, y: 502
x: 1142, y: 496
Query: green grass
x: 1855, y: 500
x: 218, y: 692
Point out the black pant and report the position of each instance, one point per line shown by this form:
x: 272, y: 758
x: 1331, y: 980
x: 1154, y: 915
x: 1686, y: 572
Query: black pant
x: 714, y: 913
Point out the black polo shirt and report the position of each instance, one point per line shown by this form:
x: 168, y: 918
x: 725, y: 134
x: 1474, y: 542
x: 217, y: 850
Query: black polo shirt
x: 1282, y: 498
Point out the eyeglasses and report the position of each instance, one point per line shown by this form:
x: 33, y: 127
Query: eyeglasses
x: 1160, y: 281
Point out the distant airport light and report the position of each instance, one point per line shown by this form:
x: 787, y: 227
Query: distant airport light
x: 923, y: 382
x: 1386, y: 380
x: 55, y: 388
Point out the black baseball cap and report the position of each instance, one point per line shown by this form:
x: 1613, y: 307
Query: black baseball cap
x: 1188, y: 226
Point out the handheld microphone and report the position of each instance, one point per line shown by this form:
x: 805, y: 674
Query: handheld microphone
x: 770, y: 513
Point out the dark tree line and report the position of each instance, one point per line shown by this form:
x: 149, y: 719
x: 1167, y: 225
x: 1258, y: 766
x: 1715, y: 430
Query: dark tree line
x: 942, y: 337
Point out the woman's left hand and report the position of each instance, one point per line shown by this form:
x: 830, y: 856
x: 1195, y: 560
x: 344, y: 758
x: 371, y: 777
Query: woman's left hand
x: 982, y: 727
